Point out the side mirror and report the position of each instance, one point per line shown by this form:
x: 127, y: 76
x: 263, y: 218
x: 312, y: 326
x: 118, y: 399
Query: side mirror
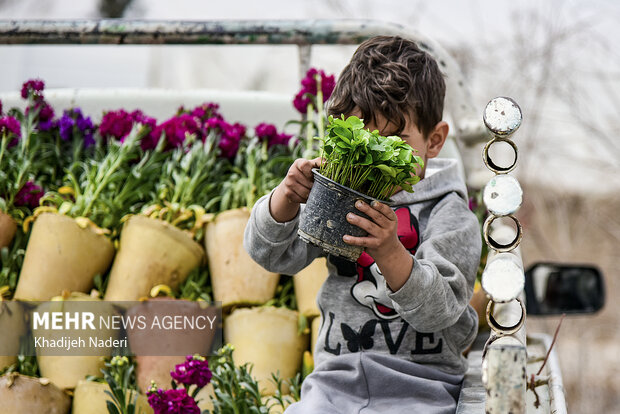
x: 552, y: 289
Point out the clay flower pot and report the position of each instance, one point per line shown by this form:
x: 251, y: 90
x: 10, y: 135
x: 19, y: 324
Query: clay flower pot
x: 268, y: 338
x: 152, y: 252
x: 8, y: 227
x: 158, y: 351
x: 323, y: 221
x: 89, y: 397
x: 23, y: 394
x: 236, y: 278
x: 61, y: 256
x: 65, y: 371
x: 13, y: 326
x: 307, y: 284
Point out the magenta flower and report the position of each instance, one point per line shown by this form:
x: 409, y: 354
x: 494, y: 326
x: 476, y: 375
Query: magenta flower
x: 29, y: 195
x: 45, y: 119
x: 33, y: 88
x: 172, y: 402
x: 116, y: 124
x: 194, y: 371
x: 265, y: 131
x: 231, y: 135
x: 177, y: 128
x: 10, y: 126
x: 309, y: 89
x: 269, y: 133
x: 206, y: 111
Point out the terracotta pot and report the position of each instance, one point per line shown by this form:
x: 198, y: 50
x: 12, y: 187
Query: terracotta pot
x: 151, y: 252
x: 8, y: 227
x: 153, y: 348
x: 236, y: 278
x: 89, y: 397
x: 65, y: 371
x: 307, y: 284
x: 60, y: 256
x: 268, y: 338
x: 22, y: 394
x: 13, y: 324
x: 479, y: 302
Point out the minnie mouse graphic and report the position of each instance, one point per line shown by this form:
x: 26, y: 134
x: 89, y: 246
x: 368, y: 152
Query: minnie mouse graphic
x: 369, y: 289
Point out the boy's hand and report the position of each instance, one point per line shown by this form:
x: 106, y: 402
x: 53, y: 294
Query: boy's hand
x: 382, y: 243
x: 293, y: 190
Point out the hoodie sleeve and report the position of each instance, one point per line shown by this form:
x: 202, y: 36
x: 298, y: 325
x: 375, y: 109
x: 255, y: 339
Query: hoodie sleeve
x: 441, y: 282
x: 276, y: 246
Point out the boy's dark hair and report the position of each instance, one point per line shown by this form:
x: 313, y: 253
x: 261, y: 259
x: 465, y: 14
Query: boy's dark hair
x: 392, y: 77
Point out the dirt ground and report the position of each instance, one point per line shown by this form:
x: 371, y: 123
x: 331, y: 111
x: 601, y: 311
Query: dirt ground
x: 577, y: 229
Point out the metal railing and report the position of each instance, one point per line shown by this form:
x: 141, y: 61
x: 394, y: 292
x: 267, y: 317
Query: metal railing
x: 505, y: 386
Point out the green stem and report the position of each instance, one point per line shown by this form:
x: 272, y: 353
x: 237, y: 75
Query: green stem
x: 309, y: 138
x: 319, y: 105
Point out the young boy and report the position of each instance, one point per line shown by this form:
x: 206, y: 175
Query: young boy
x: 394, y: 324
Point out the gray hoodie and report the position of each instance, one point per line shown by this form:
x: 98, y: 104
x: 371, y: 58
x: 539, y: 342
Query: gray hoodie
x: 428, y: 320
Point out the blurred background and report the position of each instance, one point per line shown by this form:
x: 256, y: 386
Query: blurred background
x: 559, y: 59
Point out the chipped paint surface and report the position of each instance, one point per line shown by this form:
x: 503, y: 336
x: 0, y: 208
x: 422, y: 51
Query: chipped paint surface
x: 502, y: 116
x: 503, y: 279
x: 503, y: 195
x: 458, y: 102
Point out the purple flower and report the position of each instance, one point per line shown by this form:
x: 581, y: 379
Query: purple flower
x: 177, y: 128
x: 73, y: 121
x: 0, y: 107
x: 29, y: 195
x: 194, y: 371
x: 34, y: 88
x: 11, y: 127
x: 172, y: 402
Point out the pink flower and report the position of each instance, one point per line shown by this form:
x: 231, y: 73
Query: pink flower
x: 194, y: 371
x: 29, y: 195
x: 172, y: 402
x: 34, y: 88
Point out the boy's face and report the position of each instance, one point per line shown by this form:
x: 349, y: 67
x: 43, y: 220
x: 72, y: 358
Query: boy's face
x: 426, y: 147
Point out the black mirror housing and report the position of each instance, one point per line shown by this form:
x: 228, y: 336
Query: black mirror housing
x: 553, y: 289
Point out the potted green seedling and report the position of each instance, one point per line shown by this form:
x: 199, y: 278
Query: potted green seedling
x: 358, y: 165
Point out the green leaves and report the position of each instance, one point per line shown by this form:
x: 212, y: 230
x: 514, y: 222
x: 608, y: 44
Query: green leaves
x: 366, y: 161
